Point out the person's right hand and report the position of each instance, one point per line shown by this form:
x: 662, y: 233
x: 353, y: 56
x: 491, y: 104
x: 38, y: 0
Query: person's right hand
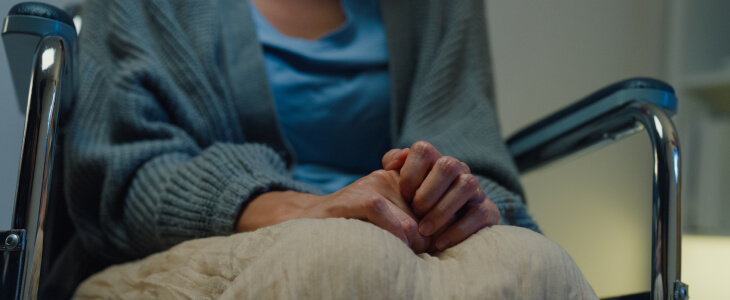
x: 443, y: 192
x: 375, y: 198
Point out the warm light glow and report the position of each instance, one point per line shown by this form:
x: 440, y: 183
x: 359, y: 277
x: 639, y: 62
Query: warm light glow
x: 48, y: 58
x: 706, y: 265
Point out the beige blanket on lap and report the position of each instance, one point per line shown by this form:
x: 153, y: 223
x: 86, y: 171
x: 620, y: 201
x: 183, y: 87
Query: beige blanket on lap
x: 338, y: 259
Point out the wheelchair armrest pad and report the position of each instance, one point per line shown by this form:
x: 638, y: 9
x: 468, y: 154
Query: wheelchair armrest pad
x: 37, y: 9
x: 595, y: 105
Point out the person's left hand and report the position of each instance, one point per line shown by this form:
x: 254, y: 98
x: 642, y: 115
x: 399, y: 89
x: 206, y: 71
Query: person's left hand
x: 443, y: 192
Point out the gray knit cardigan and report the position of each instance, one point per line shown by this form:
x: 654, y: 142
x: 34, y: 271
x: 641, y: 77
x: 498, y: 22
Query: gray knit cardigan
x: 174, y: 126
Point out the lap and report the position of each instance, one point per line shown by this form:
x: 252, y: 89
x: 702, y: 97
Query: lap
x: 337, y: 258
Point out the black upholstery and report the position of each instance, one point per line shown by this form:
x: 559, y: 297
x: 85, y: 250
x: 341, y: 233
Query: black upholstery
x: 37, y: 9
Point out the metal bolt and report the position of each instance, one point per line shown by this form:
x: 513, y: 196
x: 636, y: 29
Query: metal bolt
x: 681, y: 291
x: 12, y: 241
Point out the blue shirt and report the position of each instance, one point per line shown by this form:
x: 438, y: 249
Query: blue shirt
x: 332, y: 95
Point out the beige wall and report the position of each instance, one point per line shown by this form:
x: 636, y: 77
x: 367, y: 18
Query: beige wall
x: 548, y: 54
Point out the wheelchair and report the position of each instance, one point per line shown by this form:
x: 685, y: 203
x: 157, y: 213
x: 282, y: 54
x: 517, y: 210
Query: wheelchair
x: 40, y: 41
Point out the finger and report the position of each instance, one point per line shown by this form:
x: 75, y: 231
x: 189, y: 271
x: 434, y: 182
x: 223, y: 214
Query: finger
x: 495, y: 217
x: 394, y: 159
x: 437, y: 182
x: 468, y: 170
x: 421, y: 158
x: 389, y: 157
x: 464, y: 188
x: 408, y: 225
x: 421, y: 244
x: 376, y: 210
x: 435, y: 236
x: 477, y: 217
x: 402, y: 211
x: 386, y: 183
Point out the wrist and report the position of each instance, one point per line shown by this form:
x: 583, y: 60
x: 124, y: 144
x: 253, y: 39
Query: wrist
x: 272, y: 208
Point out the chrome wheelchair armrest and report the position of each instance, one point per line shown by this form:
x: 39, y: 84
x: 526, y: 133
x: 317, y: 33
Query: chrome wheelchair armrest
x: 536, y: 144
x: 617, y: 111
x: 24, y: 27
x: 39, y: 41
x: 34, y: 178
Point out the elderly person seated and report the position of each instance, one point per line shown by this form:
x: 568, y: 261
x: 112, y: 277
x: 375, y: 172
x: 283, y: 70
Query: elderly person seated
x: 196, y: 120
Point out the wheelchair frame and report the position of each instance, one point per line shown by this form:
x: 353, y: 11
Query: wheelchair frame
x: 607, y: 115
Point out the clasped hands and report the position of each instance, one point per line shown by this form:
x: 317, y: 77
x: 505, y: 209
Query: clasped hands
x: 431, y: 202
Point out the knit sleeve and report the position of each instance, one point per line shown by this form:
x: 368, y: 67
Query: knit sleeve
x: 451, y: 104
x: 154, y: 153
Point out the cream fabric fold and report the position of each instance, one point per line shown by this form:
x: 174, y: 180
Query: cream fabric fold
x: 346, y: 259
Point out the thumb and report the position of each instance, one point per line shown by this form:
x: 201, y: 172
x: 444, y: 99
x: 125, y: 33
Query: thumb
x: 394, y: 159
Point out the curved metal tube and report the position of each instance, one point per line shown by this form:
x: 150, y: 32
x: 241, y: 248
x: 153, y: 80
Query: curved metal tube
x: 666, y: 199
x: 21, y: 35
x: 39, y: 140
x: 666, y: 214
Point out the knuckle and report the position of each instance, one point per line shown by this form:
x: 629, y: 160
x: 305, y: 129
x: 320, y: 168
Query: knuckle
x: 422, y: 148
x: 409, y: 226
x: 482, y: 213
x: 468, y: 182
x: 375, y: 203
x: 379, y: 174
x: 448, y: 165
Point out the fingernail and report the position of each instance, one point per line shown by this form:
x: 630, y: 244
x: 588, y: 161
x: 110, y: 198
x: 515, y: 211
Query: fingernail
x: 425, y: 228
x: 443, y: 243
x: 405, y: 241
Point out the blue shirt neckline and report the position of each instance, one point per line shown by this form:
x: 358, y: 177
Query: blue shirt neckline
x: 332, y: 95
x: 354, y: 41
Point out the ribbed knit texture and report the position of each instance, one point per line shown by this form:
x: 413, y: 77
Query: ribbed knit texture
x: 440, y: 62
x: 156, y: 152
x: 174, y: 128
